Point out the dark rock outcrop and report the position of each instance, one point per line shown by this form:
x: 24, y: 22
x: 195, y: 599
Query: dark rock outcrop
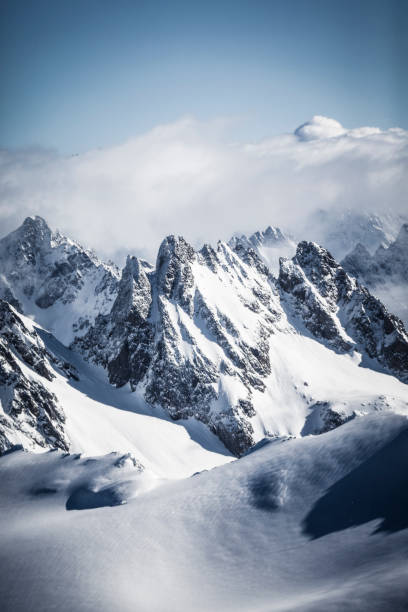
x: 339, y: 311
x: 30, y: 411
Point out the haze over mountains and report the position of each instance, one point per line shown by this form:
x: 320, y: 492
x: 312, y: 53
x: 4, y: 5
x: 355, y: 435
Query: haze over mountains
x: 192, y: 178
x: 384, y: 270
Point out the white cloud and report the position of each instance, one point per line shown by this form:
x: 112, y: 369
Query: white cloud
x: 187, y: 178
x: 319, y: 127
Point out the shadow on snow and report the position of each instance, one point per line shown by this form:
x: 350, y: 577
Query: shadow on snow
x: 93, y: 385
x: 377, y: 489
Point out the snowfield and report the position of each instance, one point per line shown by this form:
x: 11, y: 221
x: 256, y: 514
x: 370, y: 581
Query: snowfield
x: 311, y: 524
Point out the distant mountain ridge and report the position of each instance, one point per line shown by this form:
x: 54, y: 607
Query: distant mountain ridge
x: 385, y: 271
x: 340, y: 230
x: 387, y: 263
x: 269, y: 245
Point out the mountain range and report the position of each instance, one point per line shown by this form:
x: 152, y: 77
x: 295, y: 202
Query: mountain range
x: 230, y: 422
x: 248, y: 345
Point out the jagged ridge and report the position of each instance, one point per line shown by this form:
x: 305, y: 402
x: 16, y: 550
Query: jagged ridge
x: 205, y: 333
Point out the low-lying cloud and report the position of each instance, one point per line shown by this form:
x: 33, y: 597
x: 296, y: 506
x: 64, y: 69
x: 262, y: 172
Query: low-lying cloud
x: 188, y: 178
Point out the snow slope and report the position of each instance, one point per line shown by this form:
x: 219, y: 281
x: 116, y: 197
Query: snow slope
x: 101, y: 419
x: 310, y: 524
x: 309, y: 389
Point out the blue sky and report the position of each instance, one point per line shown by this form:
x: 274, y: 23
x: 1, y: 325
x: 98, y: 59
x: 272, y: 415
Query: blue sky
x: 78, y: 75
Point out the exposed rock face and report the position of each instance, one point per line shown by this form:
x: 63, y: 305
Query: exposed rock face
x: 122, y: 340
x: 29, y: 412
x: 193, y: 334
x: 171, y: 333
x: 324, y: 417
x: 197, y: 335
x: 42, y: 271
x: 335, y: 308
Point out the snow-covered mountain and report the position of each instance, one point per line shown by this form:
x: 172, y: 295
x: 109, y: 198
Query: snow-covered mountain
x: 51, y: 398
x: 385, y: 271
x: 387, y: 263
x: 210, y: 339
x: 139, y: 383
x: 270, y: 246
x: 340, y: 230
x: 53, y: 279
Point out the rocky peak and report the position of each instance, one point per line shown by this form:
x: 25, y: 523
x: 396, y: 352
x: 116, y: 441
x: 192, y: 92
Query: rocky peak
x: 313, y: 298
x: 36, y: 226
x: 269, y: 237
x: 209, y: 257
x: 26, y: 243
x: 133, y: 269
x: 321, y: 269
x: 41, y: 270
x: 263, y: 248
x: 173, y: 269
x: 314, y: 258
x: 340, y: 312
x: 134, y: 291
x: 174, y: 247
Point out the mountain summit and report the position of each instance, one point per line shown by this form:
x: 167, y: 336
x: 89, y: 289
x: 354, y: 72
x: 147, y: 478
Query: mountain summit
x: 217, y: 337
x: 55, y: 280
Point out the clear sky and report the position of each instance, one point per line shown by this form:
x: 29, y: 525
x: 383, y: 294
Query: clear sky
x: 81, y: 74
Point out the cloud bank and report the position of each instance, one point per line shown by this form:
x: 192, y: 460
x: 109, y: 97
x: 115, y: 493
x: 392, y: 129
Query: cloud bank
x: 188, y: 178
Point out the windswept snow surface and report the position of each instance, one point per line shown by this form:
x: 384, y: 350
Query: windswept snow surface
x: 308, y: 524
